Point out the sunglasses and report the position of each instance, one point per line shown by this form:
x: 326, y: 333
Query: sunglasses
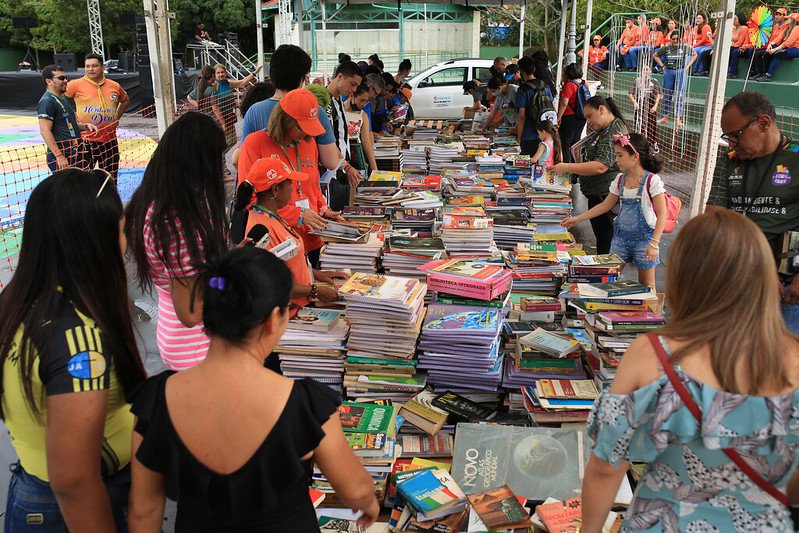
x: 735, y: 137
x: 62, y: 78
x: 108, y: 177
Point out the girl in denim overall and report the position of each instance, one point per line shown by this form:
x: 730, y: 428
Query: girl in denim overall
x: 639, y: 225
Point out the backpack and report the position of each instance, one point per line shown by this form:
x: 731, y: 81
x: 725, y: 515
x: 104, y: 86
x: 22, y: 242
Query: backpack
x: 673, y: 204
x: 540, y: 103
x: 582, y: 96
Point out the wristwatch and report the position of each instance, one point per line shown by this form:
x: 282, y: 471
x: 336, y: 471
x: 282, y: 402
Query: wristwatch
x: 312, y: 294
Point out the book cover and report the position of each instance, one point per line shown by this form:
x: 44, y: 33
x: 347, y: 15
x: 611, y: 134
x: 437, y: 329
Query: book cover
x: 498, y: 508
x: 535, y: 462
x: 423, y: 406
x: 456, y: 319
x: 561, y: 517
x: 366, y: 441
x: 582, y: 389
x: 329, y: 524
x: 309, y: 318
x: 549, y: 343
x: 430, y: 490
x: 631, y: 317
x: 621, y: 288
x: 473, y: 270
x: 463, y: 407
x: 365, y: 418
x: 415, y: 243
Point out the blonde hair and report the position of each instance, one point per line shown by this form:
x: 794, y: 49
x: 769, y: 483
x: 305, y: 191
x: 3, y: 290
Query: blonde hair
x: 220, y: 65
x: 280, y: 124
x: 723, y: 293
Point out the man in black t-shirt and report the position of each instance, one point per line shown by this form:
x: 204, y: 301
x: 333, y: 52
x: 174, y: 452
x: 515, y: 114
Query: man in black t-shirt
x: 757, y: 179
x: 58, y: 125
x: 201, y: 35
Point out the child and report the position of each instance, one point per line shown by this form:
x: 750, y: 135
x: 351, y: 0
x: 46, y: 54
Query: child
x: 548, y: 152
x: 639, y: 225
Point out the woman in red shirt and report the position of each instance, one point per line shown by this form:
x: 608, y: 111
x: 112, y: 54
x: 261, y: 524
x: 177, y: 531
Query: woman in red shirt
x: 289, y: 138
x: 701, y: 40
x: 571, y: 124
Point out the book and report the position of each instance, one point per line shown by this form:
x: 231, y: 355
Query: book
x: 578, y: 389
x: 561, y: 517
x: 317, y: 496
x: 630, y: 317
x: 498, y: 508
x: 439, y: 445
x: 463, y: 408
x: 365, y: 418
x: 549, y: 343
x: 311, y: 319
x: 431, y: 491
x: 620, y: 288
x: 422, y: 413
x: 329, y: 524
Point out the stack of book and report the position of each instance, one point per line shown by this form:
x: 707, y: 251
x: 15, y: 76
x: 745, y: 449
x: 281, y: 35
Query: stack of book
x: 340, y: 232
x: 470, y: 236
x: 537, y: 268
x: 403, y: 256
x: 422, y: 183
x: 463, y: 186
x: 428, y: 497
x: 385, y: 315
x: 370, y: 371
x: 518, y: 168
x: 439, y: 156
x: 470, y: 279
x: 460, y: 348
x: 565, y: 400
x: 423, y: 199
x: 490, y: 167
x: 365, y: 214
x: 511, y: 228
x: 416, y: 220
x: 313, y: 346
x: 358, y: 257
x: 595, y: 268
x: 414, y: 160
x: 422, y: 413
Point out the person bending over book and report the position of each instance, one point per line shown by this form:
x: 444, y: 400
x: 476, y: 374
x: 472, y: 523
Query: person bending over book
x: 727, y: 356
x: 230, y: 440
x: 639, y: 225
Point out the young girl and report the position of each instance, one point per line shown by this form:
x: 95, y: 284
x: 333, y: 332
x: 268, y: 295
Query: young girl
x: 639, y: 225
x: 548, y: 152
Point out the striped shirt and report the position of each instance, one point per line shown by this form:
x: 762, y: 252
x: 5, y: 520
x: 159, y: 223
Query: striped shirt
x: 180, y: 347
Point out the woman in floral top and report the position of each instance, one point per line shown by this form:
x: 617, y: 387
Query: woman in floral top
x: 730, y: 348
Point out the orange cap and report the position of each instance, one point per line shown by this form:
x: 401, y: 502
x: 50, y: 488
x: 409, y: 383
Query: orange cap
x: 655, y: 21
x: 269, y: 171
x: 302, y: 106
x: 782, y: 11
x: 407, y: 92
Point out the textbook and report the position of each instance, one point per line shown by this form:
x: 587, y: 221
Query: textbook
x: 577, y: 389
x: 432, y: 491
x: 312, y: 319
x: 549, y: 343
x: 561, y: 517
x: 499, y: 508
x: 423, y: 413
x: 365, y: 418
x: 463, y: 408
x: 620, y: 288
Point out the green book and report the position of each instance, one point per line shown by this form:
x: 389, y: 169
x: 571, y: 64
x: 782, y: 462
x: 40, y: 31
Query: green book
x: 365, y: 417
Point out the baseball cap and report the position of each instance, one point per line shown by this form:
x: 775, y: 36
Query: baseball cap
x: 302, y: 106
x: 407, y: 92
x: 782, y: 11
x: 510, y: 71
x: 269, y: 171
x: 655, y: 21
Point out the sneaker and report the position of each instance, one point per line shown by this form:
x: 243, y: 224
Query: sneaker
x: 732, y: 76
x: 765, y: 78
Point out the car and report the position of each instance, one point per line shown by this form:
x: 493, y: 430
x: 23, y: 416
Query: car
x: 438, y: 90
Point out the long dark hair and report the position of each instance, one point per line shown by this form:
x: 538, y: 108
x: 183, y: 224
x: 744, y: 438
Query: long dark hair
x: 609, y: 103
x: 183, y: 181
x: 544, y: 73
x: 547, y: 126
x: 647, y: 153
x: 203, y: 103
x: 70, y: 242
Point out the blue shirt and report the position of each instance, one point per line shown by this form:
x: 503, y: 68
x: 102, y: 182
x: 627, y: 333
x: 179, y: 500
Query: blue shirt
x: 257, y: 118
x: 523, y: 97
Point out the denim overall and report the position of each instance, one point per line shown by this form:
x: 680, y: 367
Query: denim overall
x: 631, y: 231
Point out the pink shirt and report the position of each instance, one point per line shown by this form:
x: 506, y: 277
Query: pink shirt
x: 180, y: 347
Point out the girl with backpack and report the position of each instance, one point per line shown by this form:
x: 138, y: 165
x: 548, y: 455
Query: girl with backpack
x: 570, y: 109
x: 640, y: 223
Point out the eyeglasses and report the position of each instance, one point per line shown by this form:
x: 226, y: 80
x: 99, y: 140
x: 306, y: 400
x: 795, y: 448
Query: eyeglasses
x: 62, y: 78
x: 735, y: 137
x: 108, y: 177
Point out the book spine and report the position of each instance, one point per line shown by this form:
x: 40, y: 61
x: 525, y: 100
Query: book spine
x: 625, y: 292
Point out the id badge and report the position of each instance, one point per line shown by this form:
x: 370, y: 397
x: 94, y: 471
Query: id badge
x: 303, y: 203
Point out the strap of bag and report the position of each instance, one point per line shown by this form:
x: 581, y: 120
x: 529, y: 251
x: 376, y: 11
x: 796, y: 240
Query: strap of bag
x: 690, y: 404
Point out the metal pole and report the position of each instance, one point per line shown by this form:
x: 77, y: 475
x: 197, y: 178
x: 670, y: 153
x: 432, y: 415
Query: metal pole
x: 159, y: 42
x: 563, y: 8
x: 426, y: 48
x: 259, y: 37
x: 522, y: 16
x: 711, y: 127
x: 323, y: 4
x: 571, y: 55
x: 589, y: 13
x: 300, y: 28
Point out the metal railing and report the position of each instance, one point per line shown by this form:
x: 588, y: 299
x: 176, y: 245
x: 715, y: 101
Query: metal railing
x: 228, y: 54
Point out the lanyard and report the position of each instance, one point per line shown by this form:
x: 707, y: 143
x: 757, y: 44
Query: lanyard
x: 71, y: 128
x: 295, y: 169
x: 259, y: 207
x: 762, y: 177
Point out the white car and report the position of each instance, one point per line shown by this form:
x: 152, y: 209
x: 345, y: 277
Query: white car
x: 438, y: 90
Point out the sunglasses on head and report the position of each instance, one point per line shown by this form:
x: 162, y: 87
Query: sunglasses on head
x: 108, y: 177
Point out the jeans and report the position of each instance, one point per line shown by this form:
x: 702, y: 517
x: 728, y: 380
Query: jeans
x: 32, y: 506
x: 673, y: 90
x: 698, y: 66
x: 633, y: 54
x: 735, y: 55
x: 571, y: 129
x: 104, y: 154
x: 790, y: 313
x: 779, y: 57
x: 602, y: 225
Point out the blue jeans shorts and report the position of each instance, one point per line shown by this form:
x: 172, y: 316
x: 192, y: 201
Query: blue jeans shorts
x: 633, y: 251
x: 32, y: 506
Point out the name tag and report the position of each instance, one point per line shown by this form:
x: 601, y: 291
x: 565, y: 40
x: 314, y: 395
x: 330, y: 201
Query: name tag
x: 303, y: 203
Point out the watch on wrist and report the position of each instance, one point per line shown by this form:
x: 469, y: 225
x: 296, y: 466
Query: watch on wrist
x: 312, y: 294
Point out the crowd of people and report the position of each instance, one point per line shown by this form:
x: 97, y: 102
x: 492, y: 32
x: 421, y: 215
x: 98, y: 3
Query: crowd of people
x: 101, y: 445
x: 687, y: 46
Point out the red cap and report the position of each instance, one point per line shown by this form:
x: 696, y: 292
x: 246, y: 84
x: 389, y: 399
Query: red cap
x: 302, y: 106
x: 269, y: 171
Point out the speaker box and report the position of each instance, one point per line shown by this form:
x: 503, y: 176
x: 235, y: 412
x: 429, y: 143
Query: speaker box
x: 146, y: 86
x: 127, y: 61
x: 67, y: 61
x: 127, y: 19
x: 24, y: 23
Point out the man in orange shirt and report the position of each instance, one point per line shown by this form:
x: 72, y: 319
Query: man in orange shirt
x: 101, y: 102
x: 777, y: 36
x: 629, y: 38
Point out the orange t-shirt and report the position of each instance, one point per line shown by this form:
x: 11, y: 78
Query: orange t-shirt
x: 740, y: 36
x: 702, y: 37
x: 278, y: 234
x: 97, y: 104
x: 792, y: 40
x: 655, y: 39
x: 597, y: 54
x: 778, y: 34
x: 629, y: 37
x: 307, y: 195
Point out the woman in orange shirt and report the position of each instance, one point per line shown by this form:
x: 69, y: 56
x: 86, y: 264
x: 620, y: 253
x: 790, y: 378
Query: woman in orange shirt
x: 273, y: 182
x: 741, y: 45
x: 651, y: 38
x: 289, y: 138
x: 788, y: 48
x: 701, y: 40
x: 759, y: 65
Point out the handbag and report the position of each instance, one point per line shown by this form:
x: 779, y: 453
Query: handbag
x: 690, y: 404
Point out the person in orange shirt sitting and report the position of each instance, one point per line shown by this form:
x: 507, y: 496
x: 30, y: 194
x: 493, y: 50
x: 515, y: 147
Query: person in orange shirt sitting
x: 101, y: 102
x: 651, y: 38
x: 289, y: 137
x: 775, y: 39
x: 272, y: 182
x: 597, y: 54
x: 741, y: 45
x: 630, y: 37
x: 787, y: 48
x: 701, y: 40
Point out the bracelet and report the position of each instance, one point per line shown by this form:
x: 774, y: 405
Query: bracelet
x: 312, y: 294
x: 654, y: 246
x: 654, y: 240
x: 299, y: 222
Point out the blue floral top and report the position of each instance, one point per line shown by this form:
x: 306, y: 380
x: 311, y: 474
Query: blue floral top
x: 689, y: 484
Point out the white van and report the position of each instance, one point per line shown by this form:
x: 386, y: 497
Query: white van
x: 438, y: 90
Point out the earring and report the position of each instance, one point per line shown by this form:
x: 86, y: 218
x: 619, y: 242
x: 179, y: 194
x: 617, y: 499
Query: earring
x: 273, y: 197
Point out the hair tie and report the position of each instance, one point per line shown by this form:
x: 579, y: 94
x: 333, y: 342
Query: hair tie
x: 217, y: 283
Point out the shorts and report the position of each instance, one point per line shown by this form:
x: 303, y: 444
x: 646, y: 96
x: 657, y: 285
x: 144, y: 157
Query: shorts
x: 633, y: 251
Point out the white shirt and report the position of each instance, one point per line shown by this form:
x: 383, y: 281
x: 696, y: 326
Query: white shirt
x: 655, y: 187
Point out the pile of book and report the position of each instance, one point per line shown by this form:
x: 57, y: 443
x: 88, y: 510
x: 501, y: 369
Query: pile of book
x: 537, y: 268
x: 512, y: 228
x: 417, y: 220
x: 358, y: 257
x: 561, y: 400
x: 518, y: 168
x: 470, y: 236
x: 427, y: 495
x: 313, y: 346
x: 459, y: 347
x: 466, y: 185
x: 595, y: 268
x: 439, y: 156
x: 414, y: 160
x: 403, y: 256
x: 470, y: 279
x: 385, y: 315
x: 490, y: 167
x: 365, y: 215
